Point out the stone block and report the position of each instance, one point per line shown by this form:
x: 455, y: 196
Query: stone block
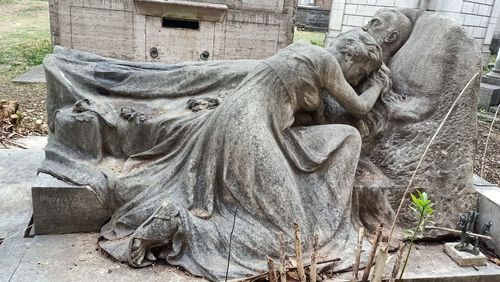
x: 367, y: 10
x: 347, y: 28
x: 485, y: 21
x: 478, y: 32
x: 472, y: 20
x: 355, y: 20
x: 33, y: 75
x: 475, y: 11
x: 484, y: 10
x: 360, y: 2
x: 446, y: 6
x: 388, y: 3
x: 59, y: 207
x: 464, y: 258
x: 489, y: 95
x: 351, y: 9
x: 406, y: 3
x: 489, y: 209
x: 459, y: 17
x: 468, y: 7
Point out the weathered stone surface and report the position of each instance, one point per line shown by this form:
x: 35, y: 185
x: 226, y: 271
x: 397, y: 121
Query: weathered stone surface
x: 11, y: 170
x: 75, y: 257
x: 12, y: 251
x: 174, y: 151
x: 33, y: 75
x: 429, y: 72
x: 175, y: 154
x: 129, y: 29
x: 59, y: 207
x: 430, y: 263
x: 464, y: 258
x: 18, y: 168
x: 15, y: 210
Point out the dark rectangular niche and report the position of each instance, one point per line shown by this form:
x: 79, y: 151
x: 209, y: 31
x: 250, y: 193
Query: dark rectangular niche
x: 179, y: 23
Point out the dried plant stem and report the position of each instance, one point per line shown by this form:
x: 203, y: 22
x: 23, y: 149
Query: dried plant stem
x: 298, y: 253
x: 358, y: 254
x: 397, y: 264
x: 487, y: 141
x: 373, y: 252
x: 458, y: 232
x: 281, y: 238
x: 12, y: 143
x: 314, y: 257
x: 380, y: 263
x: 405, y: 194
x: 272, y: 270
x: 261, y: 275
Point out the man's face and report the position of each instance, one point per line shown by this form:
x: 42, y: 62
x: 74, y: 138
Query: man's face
x: 381, y: 25
x: 389, y: 28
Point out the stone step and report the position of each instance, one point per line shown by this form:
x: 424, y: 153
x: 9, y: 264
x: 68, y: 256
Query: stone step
x: 429, y: 263
x: 12, y: 252
x: 76, y: 257
x: 18, y: 170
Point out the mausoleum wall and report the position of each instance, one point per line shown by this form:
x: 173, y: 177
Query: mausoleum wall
x: 478, y: 17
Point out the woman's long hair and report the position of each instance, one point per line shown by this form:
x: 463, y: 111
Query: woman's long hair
x: 375, y: 121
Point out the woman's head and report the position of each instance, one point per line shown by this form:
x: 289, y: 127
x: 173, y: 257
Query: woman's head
x: 358, y: 54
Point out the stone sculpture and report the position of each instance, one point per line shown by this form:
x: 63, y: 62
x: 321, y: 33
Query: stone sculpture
x: 177, y: 152
x: 431, y: 67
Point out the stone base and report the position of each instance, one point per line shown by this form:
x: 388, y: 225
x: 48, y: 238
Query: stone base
x: 59, y: 207
x: 489, y: 95
x: 464, y: 258
x: 489, y: 209
x: 33, y: 75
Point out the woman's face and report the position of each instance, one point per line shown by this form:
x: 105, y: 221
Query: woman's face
x: 355, y: 71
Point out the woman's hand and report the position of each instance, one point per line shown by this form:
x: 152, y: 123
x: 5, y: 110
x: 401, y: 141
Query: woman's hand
x: 382, y: 79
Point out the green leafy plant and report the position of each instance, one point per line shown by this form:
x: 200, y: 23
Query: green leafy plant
x: 421, y: 208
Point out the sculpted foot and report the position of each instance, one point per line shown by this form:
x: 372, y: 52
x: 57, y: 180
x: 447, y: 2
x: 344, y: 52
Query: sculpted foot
x: 139, y: 248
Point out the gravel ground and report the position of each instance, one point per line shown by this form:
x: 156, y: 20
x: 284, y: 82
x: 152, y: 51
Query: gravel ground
x: 31, y: 98
x: 491, y: 171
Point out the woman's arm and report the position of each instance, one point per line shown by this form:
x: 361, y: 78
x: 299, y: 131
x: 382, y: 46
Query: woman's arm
x: 335, y: 83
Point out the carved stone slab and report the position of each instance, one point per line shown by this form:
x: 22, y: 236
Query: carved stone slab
x: 464, y: 258
x: 59, y: 207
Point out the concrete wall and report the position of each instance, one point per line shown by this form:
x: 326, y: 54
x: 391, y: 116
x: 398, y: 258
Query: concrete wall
x: 129, y: 29
x: 312, y: 18
x: 478, y: 17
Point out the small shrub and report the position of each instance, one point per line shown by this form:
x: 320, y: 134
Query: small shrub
x: 421, y: 208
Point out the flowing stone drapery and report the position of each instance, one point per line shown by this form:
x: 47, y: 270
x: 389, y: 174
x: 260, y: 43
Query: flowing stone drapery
x: 178, y: 151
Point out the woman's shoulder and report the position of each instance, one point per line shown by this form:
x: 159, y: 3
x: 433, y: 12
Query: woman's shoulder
x: 305, y: 48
